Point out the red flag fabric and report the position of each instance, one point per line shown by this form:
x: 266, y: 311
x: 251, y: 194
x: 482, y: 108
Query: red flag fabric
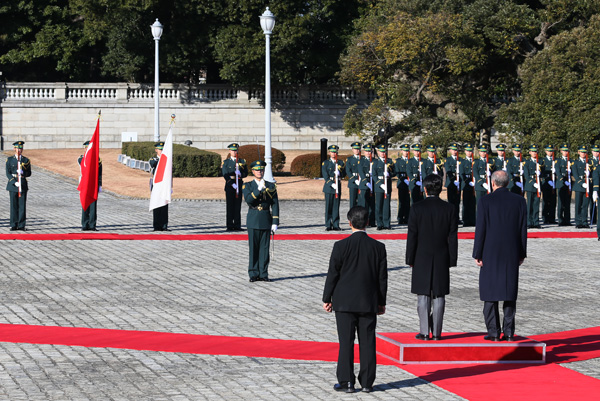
x: 88, y: 183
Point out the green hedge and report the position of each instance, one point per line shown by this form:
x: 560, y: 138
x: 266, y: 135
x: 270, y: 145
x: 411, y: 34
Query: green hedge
x: 187, y: 161
x: 250, y: 154
x: 309, y: 165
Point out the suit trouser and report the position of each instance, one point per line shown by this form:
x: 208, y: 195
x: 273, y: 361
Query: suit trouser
x: 416, y: 194
x: 564, y: 205
x: 348, y: 323
x: 403, y: 203
x: 469, y: 210
x: 491, y: 315
x: 581, y: 208
x: 549, y: 204
x: 332, y: 210
x: 353, y: 193
x: 89, y: 216
x: 366, y: 199
x: 429, y: 321
x: 234, y: 207
x: 382, y: 209
x: 533, y: 209
x: 160, y: 218
x: 479, y: 195
x: 454, y: 198
x: 18, y: 209
x: 259, y: 242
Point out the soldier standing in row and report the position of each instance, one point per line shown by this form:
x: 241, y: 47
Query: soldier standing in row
x: 432, y: 165
x: 234, y: 171
x: 548, y: 180
x: 532, y: 173
x: 160, y: 215
x: 482, y: 173
x: 352, y: 174
x: 89, y: 216
x: 366, y: 196
x: 469, y: 212
x: 581, y: 187
x: 514, y: 168
x: 403, y: 192
x: 564, y: 172
x: 500, y: 161
x: 596, y: 195
x: 414, y: 170
x: 261, y: 197
x: 332, y: 171
x: 18, y: 168
x: 452, y: 168
x: 595, y: 162
x: 383, y: 171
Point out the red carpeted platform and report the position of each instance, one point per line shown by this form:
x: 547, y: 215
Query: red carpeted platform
x: 458, y: 348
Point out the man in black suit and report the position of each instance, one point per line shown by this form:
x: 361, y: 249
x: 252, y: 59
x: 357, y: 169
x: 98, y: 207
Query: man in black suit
x: 356, y: 289
x: 431, y: 249
x: 499, y: 249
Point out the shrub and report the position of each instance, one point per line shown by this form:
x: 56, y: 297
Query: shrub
x: 309, y: 165
x: 187, y: 161
x: 250, y: 153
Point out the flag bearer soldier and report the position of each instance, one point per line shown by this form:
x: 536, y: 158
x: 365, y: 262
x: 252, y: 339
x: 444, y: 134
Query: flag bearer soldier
x: 564, y: 174
x: 332, y: 171
x: 403, y: 192
x: 500, y: 161
x: 89, y: 216
x: 352, y: 174
x: 17, y: 169
x: 452, y: 168
x: 594, y: 162
x: 432, y: 165
x: 414, y: 170
x: 366, y: 196
x: 514, y: 168
x: 261, y: 221
x: 482, y: 170
x: 383, y: 171
x: 581, y: 186
x: 467, y: 186
x: 234, y: 170
x: 160, y: 215
x: 532, y: 174
x: 548, y: 180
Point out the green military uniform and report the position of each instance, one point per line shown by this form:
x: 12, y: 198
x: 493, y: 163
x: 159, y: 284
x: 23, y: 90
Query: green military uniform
x: 548, y: 181
x: 18, y: 167
x: 366, y: 196
x: 500, y: 162
x: 402, y: 185
x: 564, y: 168
x: 514, y: 168
x: 482, y: 170
x: 414, y: 171
x: 383, y: 171
x: 329, y: 170
x: 581, y: 186
x: 452, y: 184
x: 431, y: 165
x: 234, y: 170
x: 596, y: 189
x: 353, y: 176
x: 90, y: 215
x: 467, y: 186
x: 532, y: 173
x: 594, y: 160
x: 262, y: 219
x: 160, y: 215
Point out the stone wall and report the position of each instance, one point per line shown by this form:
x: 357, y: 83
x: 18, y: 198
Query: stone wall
x: 63, y: 115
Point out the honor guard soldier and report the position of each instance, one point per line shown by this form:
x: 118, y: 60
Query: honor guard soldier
x: 414, y: 170
x: 403, y: 192
x: 594, y: 162
x: 500, y: 161
x: 332, y: 171
x: 467, y: 186
x: 352, y: 174
x: 548, y: 179
x: 366, y: 196
x: 432, y: 165
x: 17, y: 169
x: 532, y: 173
x: 564, y: 174
x: 596, y: 195
x: 261, y: 221
x: 234, y: 171
x: 514, y: 168
x: 89, y: 216
x: 482, y: 170
x: 383, y: 171
x: 452, y: 168
x: 582, y: 173
x: 160, y: 215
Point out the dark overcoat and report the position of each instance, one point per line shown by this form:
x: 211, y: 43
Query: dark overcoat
x: 500, y: 242
x: 431, y: 246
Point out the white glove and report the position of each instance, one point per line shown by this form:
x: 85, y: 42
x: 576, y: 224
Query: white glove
x: 536, y: 186
x: 568, y: 184
x: 337, y: 173
x: 238, y: 173
x: 274, y: 227
x: 99, y: 189
x: 333, y: 186
x: 382, y: 186
x: 234, y: 186
x: 369, y: 186
x: 537, y: 172
x: 504, y: 169
x: 456, y: 183
x: 17, y: 184
x: 519, y: 184
x: 553, y: 170
x: 595, y: 196
x: 489, y: 173
x: 357, y: 182
x: 486, y: 186
x: 471, y: 183
x: 261, y: 185
x: 584, y: 185
x: 406, y: 181
x: 386, y: 173
x: 20, y: 171
x: 419, y: 183
x: 551, y: 183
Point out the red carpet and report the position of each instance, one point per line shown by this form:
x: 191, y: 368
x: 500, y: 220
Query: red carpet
x: 571, y: 346
x: 244, y: 237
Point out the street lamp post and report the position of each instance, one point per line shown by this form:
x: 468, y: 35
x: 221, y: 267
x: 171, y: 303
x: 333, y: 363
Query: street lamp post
x: 267, y: 22
x: 157, y: 30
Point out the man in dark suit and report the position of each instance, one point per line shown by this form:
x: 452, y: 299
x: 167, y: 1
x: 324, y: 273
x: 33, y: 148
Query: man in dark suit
x: 431, y: 249
x: 356, y: 289
x: 499, y: 249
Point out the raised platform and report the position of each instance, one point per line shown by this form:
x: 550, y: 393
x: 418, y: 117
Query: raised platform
x: 458, y: 348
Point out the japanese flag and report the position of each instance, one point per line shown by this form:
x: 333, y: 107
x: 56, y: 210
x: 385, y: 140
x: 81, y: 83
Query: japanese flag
x: 163, y: 176
x: 88, y: 184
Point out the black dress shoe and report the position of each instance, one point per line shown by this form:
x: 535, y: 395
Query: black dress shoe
x: 337, y: 229
x: 491, y: 338
x: 510, y: 338
x: 436, y: 338
x: 268, y: 280
x: 166, y: 229
x: 538, y: 226
x: 84, y: 229
x: 253, y: 279
x: 230, y: 229
x: 13, y: 229
x: 422, y: 337
x: 328, y: 229
x: 238, y: 229
x: 585, y: 226
x: 578, y: 226
x: 92, y: 229
x: 379, y: 228
x: 367, y: 389
x: 347, y: 387
x: 22, y: 229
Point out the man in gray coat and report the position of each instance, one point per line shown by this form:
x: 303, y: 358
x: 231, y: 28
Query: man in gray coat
x: 499, y: 249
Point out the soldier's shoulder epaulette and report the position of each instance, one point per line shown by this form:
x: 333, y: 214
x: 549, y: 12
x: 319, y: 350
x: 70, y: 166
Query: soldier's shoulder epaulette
x: 99, y: 161
x: 243, y: 186
x: 222, y: 163
x: 322, y: 164
x: 241, y: 161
